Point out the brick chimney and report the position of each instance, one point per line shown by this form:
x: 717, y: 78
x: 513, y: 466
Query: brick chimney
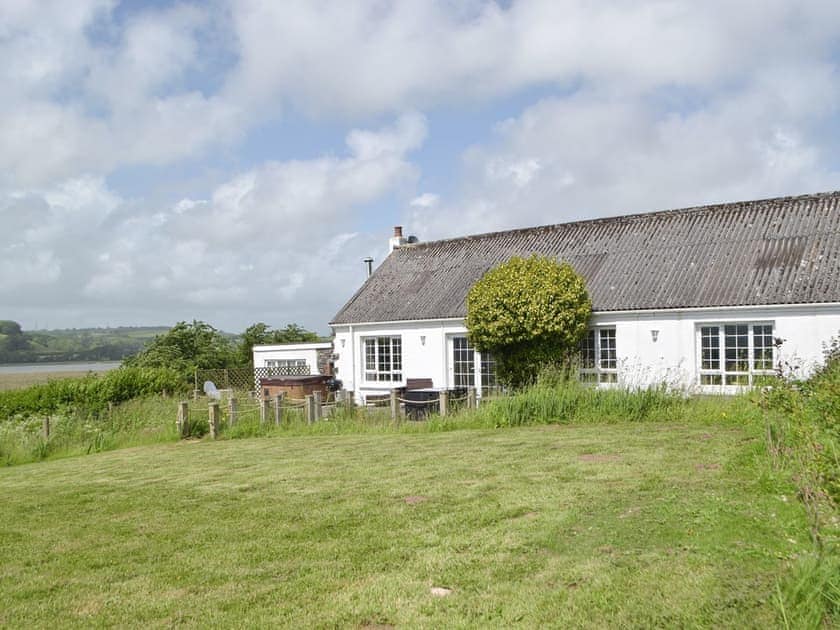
x: 397, y: 240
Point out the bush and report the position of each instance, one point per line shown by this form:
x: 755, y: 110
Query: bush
x: 805, y: 427
x: 91, y: 392
x: 528, y: 312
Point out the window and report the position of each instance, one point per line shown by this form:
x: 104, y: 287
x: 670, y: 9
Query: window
x: 735, y: 354
x: 285, y: 367
x: 488, y: 373
x: 463, y: 362
x: 598, y: 359
x: 467, y: 362
x: 383, y: 359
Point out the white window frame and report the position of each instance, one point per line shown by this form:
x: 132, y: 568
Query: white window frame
x: 384, y: 365
x: 284, y: 363
x: 717, y: 373
x: 602, y: 367
x: 479, y: 362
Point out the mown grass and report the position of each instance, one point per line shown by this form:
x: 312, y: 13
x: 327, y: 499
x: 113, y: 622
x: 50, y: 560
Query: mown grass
x: 626, y: 525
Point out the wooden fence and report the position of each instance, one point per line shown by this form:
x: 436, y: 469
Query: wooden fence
x: 313, y: 408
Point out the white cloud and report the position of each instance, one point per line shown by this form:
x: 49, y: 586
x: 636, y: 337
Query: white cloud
x: 645, y: 105
x: 426, y: 200
x: 592, y: 155
x: 276, y: 243
x: 374, y: 56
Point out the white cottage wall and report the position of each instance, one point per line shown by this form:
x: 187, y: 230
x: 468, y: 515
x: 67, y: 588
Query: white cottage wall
x: 290, y: 352
x: 671, y: 358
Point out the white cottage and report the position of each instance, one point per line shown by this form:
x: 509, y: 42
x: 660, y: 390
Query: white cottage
x: 709, y: 298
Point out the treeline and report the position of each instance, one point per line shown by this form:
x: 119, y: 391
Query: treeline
x: 188, y: 346
x: 185, y: 346
x: 77, y: 344
x: 165, y: 365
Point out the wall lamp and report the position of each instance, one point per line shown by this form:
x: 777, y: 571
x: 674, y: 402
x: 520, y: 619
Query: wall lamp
x: 654, y: 335
x: 422, y: 340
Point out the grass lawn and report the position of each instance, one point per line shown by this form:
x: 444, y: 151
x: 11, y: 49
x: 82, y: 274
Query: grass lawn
x: 622, y: 525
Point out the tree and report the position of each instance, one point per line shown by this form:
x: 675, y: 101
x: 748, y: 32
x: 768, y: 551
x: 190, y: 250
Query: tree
x: 185, y: 347
x: 261, y: 333
x: 528, y: 312
x: 12, y: 338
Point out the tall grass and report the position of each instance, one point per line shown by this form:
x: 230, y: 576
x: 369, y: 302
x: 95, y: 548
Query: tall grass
x: 803, y: 435
x: 81, y: 431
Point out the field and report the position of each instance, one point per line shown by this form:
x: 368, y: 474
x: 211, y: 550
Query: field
x: 623, y: 525
x: 25, y: 379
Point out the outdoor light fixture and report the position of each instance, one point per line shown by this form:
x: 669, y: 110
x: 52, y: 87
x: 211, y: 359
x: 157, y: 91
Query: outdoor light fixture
x: 654, y: 335
x: 422, y: 340
x: 343, y: 341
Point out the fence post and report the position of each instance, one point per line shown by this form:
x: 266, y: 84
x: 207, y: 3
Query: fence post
x: 46, y: 427
x: 317, y: 402
x: 395, y: 404
x: 196, y: 393
x: 265, y: 410
x: 471, y: 398
x: 444, y: 402
x: 183, y: 422
x: 278, y: 409
x: 215, y: 415
x: 310, y: 408
x: 232, y: 409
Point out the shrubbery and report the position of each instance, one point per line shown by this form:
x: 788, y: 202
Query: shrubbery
x: 806, y: 427
x: 529, y: 313
x: 90, y: 392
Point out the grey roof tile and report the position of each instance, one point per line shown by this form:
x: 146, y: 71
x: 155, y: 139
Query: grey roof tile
x: 772, y: 251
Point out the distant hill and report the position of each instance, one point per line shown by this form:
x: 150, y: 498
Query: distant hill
x: 73, y: 344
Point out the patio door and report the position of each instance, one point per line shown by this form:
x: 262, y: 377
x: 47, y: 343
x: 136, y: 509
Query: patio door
x: 461, y: 363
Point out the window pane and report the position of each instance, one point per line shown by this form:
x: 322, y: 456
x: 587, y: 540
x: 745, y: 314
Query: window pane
x: 736, y: 348
x: 587, y: 351
x: 396, y: 355
x: 463, y: 362
x: 488, y: 370
x: 763, y: 347
x: 737, y: 379
x: 607, y: 348
x: 370, y: 354
x: 710, y: 379
x: 709, y: 348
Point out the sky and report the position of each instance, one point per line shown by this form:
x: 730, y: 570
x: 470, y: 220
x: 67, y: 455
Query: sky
x: 235, y: 161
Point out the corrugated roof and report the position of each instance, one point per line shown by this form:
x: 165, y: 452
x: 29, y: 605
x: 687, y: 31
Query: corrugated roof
x: 772, y: 251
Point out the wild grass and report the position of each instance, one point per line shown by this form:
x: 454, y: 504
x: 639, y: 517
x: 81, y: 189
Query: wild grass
x: 622, y: 525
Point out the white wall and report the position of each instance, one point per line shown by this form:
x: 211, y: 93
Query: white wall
x: 424, y: 352
x: 672, y: 358
x: 291, y: 351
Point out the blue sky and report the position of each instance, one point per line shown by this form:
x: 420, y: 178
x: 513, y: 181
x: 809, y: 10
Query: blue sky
x: 235, y: 161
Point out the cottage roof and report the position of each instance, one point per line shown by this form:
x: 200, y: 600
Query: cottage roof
x: 772, y: 251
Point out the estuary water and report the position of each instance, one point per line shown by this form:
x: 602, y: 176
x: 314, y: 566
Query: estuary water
x: 80, y: 366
